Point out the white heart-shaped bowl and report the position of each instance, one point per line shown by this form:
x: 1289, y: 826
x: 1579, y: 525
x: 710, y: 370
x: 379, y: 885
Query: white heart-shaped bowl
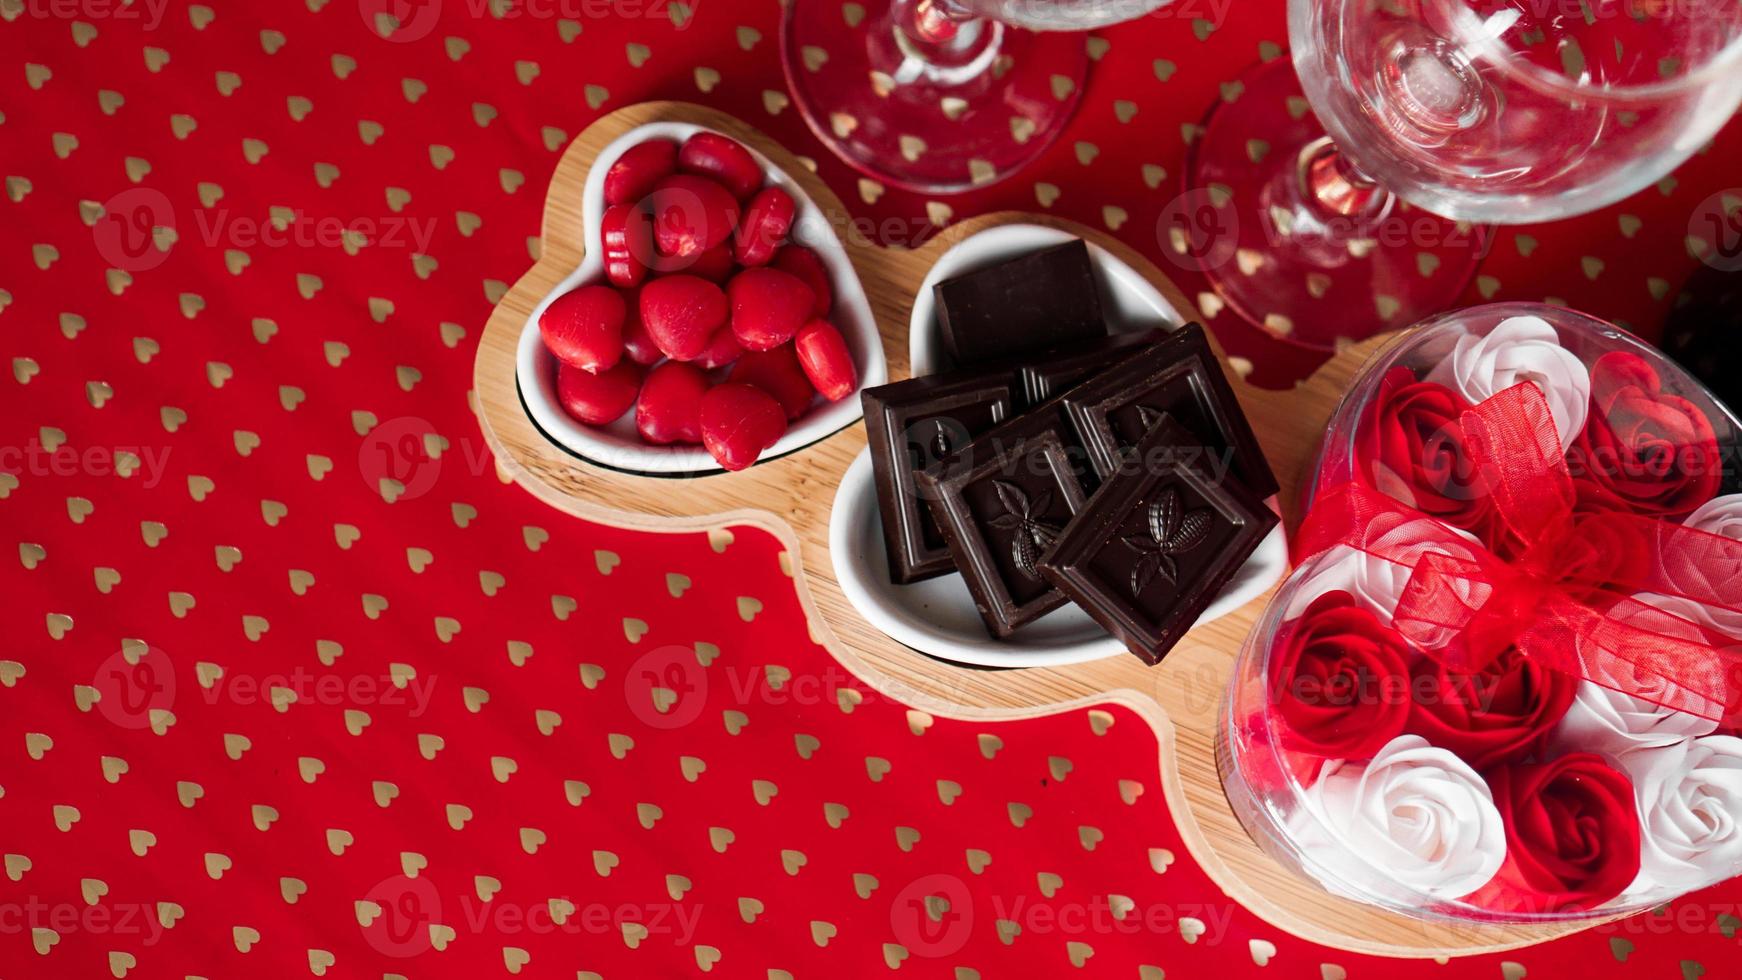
x: 937, y: 616
x: 617, y: 445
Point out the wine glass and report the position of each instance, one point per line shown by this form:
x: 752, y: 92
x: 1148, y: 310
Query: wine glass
x: 1346, y: 194
x: 940, y: 96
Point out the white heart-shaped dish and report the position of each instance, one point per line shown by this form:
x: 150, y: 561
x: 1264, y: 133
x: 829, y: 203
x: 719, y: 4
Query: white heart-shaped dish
x: 617, y: 445
x: 937, y: 616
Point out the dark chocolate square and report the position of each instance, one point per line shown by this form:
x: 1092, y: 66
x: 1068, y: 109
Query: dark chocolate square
x: 1001, y: 502
x: 1051, y: 373
x: 1156, y: 544
x: 1039, y: 300
x: 1178, y: 376
x: 912, y: 424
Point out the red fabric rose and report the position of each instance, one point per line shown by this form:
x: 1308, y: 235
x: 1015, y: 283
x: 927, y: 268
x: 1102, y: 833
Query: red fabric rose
x: 1495, y: 715
x: 1602, y: 557
x: 1643, y: 449
x: 1339, y: 680
x: 1411, y: 448
x: 1572, y: 835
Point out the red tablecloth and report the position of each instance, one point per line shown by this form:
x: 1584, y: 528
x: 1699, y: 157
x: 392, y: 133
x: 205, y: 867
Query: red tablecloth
x: 259, y: 716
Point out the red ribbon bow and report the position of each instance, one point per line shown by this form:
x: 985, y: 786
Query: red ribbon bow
x: 1553, y: 595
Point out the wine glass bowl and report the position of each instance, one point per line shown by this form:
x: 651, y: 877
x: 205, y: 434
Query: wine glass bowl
x: 1295, y: 239
x: 1442, y: 117
x: 1516, y: 111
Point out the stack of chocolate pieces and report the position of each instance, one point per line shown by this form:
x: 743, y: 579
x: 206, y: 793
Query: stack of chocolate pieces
x: 1059, y: 464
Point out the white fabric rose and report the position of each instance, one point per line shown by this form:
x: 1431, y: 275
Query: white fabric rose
x: 1520, y: 348
x: 1606, y: 720
x: 1415, y: 817
x: 1690, y: 812
x: 1377, y: 584
x: 1721, y: 516
x: 1714, y: 618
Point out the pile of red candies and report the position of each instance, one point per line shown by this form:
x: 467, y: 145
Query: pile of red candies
x: 713, y: 327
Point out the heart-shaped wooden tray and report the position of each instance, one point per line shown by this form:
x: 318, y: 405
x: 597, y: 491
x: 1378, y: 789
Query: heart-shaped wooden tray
x: 791, y: 498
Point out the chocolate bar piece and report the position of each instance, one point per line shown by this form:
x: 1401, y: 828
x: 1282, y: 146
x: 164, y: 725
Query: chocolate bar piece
x: 1158, y: 541
x: 1039, y: 300
x: 1181, y: 377
x: 912, y: 424
x: 915, y: 423
x: 1051, y: 373
x: 1001, y: 502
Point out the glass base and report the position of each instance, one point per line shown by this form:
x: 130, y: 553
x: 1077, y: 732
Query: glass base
x: 935, y: 117
x: 1316, y: 269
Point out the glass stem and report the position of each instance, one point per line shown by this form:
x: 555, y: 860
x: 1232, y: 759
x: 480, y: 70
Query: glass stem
x: 942, y: 42
x: 936, y: 21
x: 1332, y: 183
